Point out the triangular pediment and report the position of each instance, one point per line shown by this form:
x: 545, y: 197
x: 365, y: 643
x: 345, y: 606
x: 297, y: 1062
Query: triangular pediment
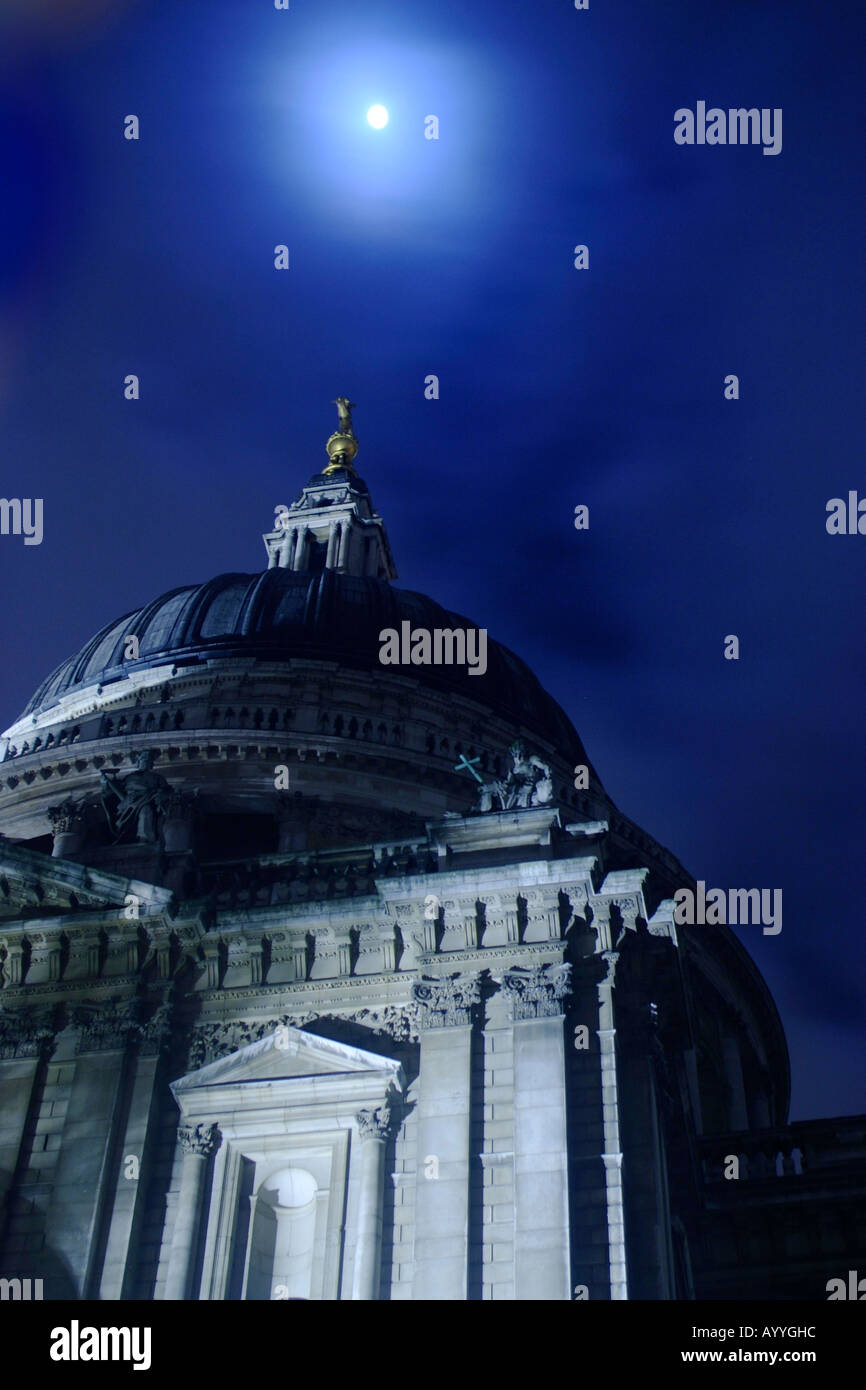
x: 283, y: 1054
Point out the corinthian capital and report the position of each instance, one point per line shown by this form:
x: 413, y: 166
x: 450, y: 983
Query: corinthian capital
x: 25, y: 1033
x: 198, y: 1139
x: 69, y: 815
x: 538, y: 992
x: 374, y: 1122
x: 447, y: 1003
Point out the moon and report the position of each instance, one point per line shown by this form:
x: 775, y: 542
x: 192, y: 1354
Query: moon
x: 378, y: 117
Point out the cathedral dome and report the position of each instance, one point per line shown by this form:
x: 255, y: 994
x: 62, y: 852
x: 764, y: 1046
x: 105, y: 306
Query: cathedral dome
x: 280, y: 615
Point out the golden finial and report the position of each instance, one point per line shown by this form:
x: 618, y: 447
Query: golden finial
x: 342, y: 445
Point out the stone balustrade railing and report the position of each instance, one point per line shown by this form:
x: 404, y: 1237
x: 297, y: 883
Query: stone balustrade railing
x: 803, y: 1149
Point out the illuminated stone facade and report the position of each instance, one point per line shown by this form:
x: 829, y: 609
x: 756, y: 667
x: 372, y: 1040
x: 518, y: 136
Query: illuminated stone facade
x: 285, y: 1015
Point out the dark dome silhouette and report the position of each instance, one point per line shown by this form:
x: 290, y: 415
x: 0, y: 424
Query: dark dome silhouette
x: 279, y: 615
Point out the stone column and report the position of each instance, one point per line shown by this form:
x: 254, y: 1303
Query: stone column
x: 373, y: 1125
x: 198, y: 1143
x: 444, y: 1104
x: 332, y: 537
x: 85, y: 1170
x: 612, y: 1155
x: 291, y: 834
x: 542, y: 1262
x: 300, y: 545
x: 68, y: 828
x: 737, y: 1113
x: 691, y: 1066
x: 344, y: 545
x: 178, y: 822
x: 22, y: 1045
x: 762, y: 1108
x: 128, y: 1201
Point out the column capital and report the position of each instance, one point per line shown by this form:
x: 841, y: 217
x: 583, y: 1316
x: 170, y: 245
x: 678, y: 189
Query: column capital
x: 155, y: 1035
x: 199, y: 1139
x: 538, y: 992
x: 447, y: 1003
x: 110, y: 1028
x: 26, y: 1033
x: 609, y: 959
x: 374, y: 1122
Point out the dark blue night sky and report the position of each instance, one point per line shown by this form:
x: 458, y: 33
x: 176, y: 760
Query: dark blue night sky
x: 558, y: 386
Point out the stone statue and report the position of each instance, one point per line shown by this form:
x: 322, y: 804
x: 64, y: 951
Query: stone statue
x: 142, y: 798
x: 528, y: 783
x: 344, y: 415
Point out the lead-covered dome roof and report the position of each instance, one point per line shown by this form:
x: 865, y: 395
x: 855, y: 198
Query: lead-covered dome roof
x: 280, y: 615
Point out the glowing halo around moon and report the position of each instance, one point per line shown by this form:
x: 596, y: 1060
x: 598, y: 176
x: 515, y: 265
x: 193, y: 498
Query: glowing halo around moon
x: 377, y: 117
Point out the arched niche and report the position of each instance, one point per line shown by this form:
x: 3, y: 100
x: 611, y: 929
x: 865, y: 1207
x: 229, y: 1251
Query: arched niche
x: 282, y: 1236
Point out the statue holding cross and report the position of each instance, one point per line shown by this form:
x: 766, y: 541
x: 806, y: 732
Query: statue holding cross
x: 529, y: 782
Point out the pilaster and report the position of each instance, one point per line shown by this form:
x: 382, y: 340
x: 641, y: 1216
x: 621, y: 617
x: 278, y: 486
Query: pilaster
x: 542, y: 1268
x: 445, y: 1009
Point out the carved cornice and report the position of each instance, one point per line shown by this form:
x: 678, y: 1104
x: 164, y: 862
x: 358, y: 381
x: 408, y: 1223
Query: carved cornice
x: 109, y: 983
x: 211, y: 1041
x: 401, y: 1024
x: 447, y: 1003
x: 214, y: 1040
x: 309, y: 989
x: 537, y: 992
x: 490, y: 955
